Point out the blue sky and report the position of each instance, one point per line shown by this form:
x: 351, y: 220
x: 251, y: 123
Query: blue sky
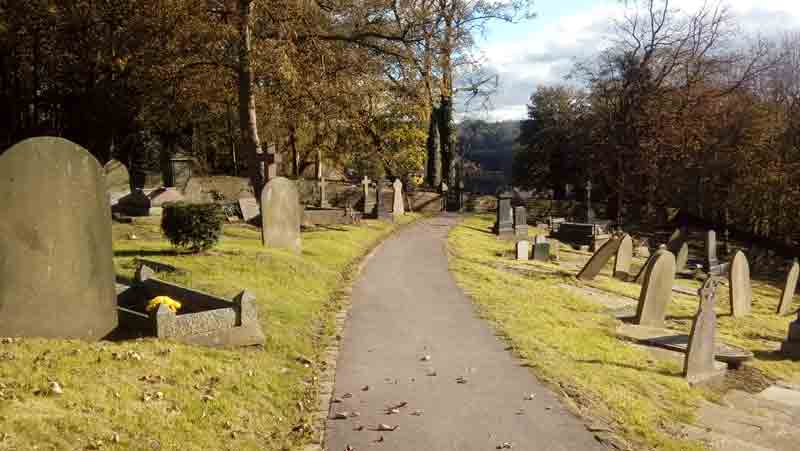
x: 542, y: 51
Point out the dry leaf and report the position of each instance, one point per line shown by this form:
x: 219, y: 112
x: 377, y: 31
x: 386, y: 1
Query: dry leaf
x: 386, y: 427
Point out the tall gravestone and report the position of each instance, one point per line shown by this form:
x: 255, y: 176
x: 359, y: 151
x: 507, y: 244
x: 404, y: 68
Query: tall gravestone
x: 711, y: 260
x: 787, y: 295
x: 541, y: 249
x: 520, y: 222
x: 56, y: 267
x: 118, y: 180
x: 281, y: 215
x: 504, y: 222
x: 656, y: 290
x: 791, y: 346
x: 600, y: 258
x: 739, y: 282
x: 682, y: 257
x: 381, y: 209
x: 623, y: 258
x: 398, y: 208
x: 365, y: 182
x: 698, y: 364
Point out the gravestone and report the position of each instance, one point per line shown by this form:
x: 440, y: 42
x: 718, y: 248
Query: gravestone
x: 118, y: 180
x: 656, y: 290
x: 180, y: 171
x: 787, y: 295
x: 398, y: 208
x: 555, y: 249
x: 56, y: 267
x: 711, y: 262
x: 249, y: 208
x: 444, y: 188
x: 791, y: 346
x: 523, y: 250
x: 520, y: 222
x: 541, y: 249
x: 381, y: 209
x: 676, y: 240
x: 504, y: 222
x: 323, y: 194
x: 682, y: 257
x: 623, y: 257
x: 281, y: 215
x: 640, y: 276
x: 699, y: 361
x: 600, y: 258
x: 365, y: 182
x: 739, y: 283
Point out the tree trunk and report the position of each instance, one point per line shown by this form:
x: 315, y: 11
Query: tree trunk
x: 248, y: 122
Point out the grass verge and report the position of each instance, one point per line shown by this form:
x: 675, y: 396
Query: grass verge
x: 158, y: 395
x: 571, y: 344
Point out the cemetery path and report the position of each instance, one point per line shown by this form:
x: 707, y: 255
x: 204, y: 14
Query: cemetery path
x: 469, y: 395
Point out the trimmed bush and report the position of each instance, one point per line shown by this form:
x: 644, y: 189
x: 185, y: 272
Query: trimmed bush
x: 196, y: 227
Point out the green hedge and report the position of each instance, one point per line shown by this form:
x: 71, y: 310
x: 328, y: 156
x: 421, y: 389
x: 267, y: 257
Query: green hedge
x: 196, y: 227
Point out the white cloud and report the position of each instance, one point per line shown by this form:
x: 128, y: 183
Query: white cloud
x: 549, y: 52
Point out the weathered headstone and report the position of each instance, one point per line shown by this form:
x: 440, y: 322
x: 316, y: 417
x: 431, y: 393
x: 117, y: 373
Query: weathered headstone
x: 381, y: 209
x: 504, y: 223
x: 791, y: 346
x: 444, y: 188
x: 600, y: 258
x: 711, y: 260
x: 623, y: 258
x: 249, y: 208
x: 787, y: 295
x: 699, y: 364
x: 740, y: 288
x: 656, y: 290
x: 640, y: 276
x: 118, y: 180
x: 541, y: 249
x: 676, y: 240
x: 365, y: 182
x: 56, y: 267
x: 323, y: 193
x: 555, y: 249
x: 398, y: 208
x: 682, y: 257
x: 523, y: 250
x: 520, y: 222
x: 281, y: 215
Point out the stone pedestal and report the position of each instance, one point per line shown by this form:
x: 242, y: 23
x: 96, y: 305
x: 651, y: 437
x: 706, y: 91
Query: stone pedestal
x: 520, y: 222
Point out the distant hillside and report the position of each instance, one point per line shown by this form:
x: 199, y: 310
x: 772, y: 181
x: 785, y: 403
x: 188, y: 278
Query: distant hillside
x: 490, y: 146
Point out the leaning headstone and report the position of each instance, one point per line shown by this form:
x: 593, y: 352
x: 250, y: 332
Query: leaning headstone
x: 523, y: 250
x: 640, y: 277
x: 56, y: 266
x: 600, y: 258
x: 398, y: 209
x: 520, y: 222
x: 656, y: 290
x: 740, y: 288
x: 281, y: 215
x: 682, y: 257
x: 787, y: 295
x: 623, y: 257
x: 249, y: 208
x: 504, y: 223
x: 676, y: 240
x: 699, y: 363
x: 118, y: 180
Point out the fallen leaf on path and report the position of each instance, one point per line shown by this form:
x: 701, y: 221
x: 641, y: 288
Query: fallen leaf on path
x: 349, y: 448
x: 461, y: 380
x: 340, y: 416
x: 379, y: 440
x: 365, y: 388
x: 530, y: 397
x: 347, y: 395
x: 431, y: 373
x: 354, y: 414
x: 505, y: 445
x: 392, y: 411
x: 359, y: 428
x: 417, y: 413
x: 425, y: 358
x: 398, y: 406
x: 336, y: 400
x: 386, y: 428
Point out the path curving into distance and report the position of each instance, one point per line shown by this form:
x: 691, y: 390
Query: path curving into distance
x: 405, y: 306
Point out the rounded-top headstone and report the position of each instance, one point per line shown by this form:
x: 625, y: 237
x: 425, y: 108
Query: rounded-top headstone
x: 741, y: 292
x: 281, y: 215
x: 600, y: 258
x: 623, y: 258
x: 656, y: 289
x: 56, y: 267
x: 118, y: 178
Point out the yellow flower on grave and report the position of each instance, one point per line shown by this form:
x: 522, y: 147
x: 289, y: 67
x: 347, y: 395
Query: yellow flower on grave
x: 172, y: 304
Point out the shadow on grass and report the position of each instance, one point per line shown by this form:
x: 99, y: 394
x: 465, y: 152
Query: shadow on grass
x: 773, y: 356
x: 147, y: 253
x: 488, y: 232
x: 630, y: 367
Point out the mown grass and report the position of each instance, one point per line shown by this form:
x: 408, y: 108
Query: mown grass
x: 571, y: 342
x: 158, y: 395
